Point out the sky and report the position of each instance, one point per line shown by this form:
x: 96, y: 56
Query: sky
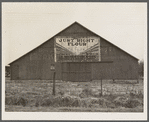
x: 27, y: 25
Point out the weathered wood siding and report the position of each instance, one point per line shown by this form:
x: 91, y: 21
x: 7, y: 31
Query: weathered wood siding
x: 36, y: 64
x: 101, y: 71
x: 124, y: 66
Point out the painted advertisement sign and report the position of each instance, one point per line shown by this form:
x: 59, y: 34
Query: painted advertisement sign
x: 83, y: 49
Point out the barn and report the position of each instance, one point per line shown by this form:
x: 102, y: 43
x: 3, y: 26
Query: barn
x: 77, y: 54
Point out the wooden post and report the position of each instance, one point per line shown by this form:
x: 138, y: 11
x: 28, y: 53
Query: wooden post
x: 101, y: 86
x: 54, y: 83
x: 137, y: 80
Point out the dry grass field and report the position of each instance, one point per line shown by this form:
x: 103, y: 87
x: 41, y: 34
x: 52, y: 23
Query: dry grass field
x: 34, y: 96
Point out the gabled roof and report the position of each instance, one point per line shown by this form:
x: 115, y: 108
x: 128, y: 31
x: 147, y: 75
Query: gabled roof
x: 66, y: 29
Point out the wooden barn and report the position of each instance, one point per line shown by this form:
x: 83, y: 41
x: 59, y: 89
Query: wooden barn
x: 77, y: 54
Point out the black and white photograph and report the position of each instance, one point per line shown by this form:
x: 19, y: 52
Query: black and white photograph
x: 71, y: 60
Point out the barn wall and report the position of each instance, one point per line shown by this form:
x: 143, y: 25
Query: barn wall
x: 36, y: 64
x: 124, y: 66
x: 102, y: 70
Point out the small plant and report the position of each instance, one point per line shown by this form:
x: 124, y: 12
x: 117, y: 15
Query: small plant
x: 131, y: 94
x: 140, y: 95
x: 61, y: 93
x: 87, y: 91
x: 132, y: 103
x: 16, y: 101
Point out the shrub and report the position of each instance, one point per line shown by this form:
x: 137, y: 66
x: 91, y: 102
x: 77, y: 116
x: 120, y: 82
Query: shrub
x: 84, y: 103
x: 127, y: 102
x: 66, y: 101
x: 44, y: 100
x: 82, y: 95
x: 59, y: 101
x: 120, y: 101
x: 140, y: 95
x: 86, y: 93
x: 132, y: 103
x: 132, y: 94
x: 76, y: 103
x: 105, y: 103
x: 12, y: 100
x: 61, y: 93
x: 110, y: 97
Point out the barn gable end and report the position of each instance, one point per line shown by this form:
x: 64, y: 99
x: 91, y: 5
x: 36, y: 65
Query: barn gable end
x: 36, y: 64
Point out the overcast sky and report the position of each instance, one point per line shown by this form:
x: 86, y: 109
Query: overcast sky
x: 27, y: 25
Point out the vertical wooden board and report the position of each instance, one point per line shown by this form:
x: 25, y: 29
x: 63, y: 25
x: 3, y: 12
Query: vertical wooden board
x: 72, y: 67
x: 64, y: 71
x: 68, y: 72
x: 65, y: 67
x: 129, y: 70
x: 96, y: 71
x: 64, y: 76
x: 120, y: 71
x: 87, y: 67
x: 77, y: 67
x: 82, y: 67
x: 135, y: 68
x: 102, y: 70
x: 110, y: 72
x: 73, y: 76
x: 15, y: 72
x: 134, y: 71
x: 83, y: 78
x: 88, y: 76
x: 28, y: 73
x: 46, y: 72
x: 23, y: 72
x: 77, y: 71
x: 80, y: 76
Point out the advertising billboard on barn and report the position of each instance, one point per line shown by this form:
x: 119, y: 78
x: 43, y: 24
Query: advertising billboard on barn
x: 82, y: 49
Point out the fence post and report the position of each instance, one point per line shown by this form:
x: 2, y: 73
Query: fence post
x: 137, y: 80
x: 54, y: 83
x: 101, y: 86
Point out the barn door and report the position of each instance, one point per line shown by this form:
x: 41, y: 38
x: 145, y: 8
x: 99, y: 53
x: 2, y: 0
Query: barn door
x: 76, y: 71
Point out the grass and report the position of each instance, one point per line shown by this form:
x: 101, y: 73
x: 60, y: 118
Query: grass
x: 73, y: 96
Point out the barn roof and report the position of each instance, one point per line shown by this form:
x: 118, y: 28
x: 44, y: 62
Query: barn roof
x: 66, y: 29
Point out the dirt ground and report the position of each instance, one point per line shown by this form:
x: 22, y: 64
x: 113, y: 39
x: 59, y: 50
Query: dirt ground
x: 31, y: 90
